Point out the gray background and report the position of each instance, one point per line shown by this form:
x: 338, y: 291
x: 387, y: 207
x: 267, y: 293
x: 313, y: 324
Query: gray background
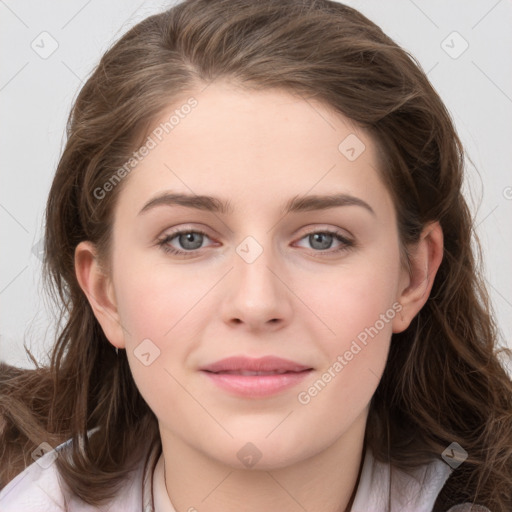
x: 37, y: 90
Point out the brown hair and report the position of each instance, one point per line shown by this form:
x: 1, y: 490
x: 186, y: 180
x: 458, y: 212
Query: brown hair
x: 443, y: 381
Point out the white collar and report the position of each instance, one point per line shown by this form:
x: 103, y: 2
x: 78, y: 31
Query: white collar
x: 384, y: 488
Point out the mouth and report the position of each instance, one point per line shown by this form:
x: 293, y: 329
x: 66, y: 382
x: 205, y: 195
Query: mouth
x: 256, y: 378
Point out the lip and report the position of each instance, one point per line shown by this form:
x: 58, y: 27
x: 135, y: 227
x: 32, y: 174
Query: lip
x: 239, y: 375
x: 259, y: 364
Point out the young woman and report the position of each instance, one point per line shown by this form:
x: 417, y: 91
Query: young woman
x: 270, y: 299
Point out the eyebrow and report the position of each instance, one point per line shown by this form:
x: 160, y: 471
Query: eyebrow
x: 294, y: 205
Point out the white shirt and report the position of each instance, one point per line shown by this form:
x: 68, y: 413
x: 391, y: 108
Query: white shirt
x: 39, y: 488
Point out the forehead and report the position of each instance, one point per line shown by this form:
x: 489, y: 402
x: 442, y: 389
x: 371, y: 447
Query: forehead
x: 253, y: 147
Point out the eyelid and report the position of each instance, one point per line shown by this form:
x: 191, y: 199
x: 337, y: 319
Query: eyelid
x: 184, y: 228
x: 315, y: 228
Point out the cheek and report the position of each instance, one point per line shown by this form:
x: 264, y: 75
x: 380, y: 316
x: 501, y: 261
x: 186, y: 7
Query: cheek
x: 357, y: 304
x: 156, y: 301
x: 161, y: 310
x: 354, y: 297
x: 359, y: 312
x: 360, y: 324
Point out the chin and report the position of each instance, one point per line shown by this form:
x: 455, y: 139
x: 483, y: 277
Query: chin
x: 258, y: 452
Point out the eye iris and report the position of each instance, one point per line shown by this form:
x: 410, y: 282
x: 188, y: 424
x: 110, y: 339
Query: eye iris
x: 189, y: 237
x: 325, y: 240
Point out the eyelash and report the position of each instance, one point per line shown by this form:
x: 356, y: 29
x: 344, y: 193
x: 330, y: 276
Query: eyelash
x: 163, y: 242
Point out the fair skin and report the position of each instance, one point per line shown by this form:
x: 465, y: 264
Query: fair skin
x: 297, y: 300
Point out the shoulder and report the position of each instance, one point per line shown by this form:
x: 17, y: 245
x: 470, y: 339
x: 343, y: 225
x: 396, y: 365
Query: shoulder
x: 416, y: 489
x: 40, y: 487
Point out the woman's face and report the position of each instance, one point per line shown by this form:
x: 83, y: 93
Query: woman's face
x: 263, y: 280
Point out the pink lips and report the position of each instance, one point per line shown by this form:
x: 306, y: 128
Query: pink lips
x: 256, y: 377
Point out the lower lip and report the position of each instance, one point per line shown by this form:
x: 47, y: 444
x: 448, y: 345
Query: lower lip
x: 257, y: 385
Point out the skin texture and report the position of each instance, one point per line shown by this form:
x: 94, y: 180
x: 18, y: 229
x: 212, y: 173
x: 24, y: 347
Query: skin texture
x: 295, y: 300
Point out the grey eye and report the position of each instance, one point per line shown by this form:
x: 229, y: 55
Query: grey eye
x: 320, y: 241
x: 191, y: 240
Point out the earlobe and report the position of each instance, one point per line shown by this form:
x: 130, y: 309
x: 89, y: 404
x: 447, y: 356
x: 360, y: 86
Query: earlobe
x: 99, y: 290
x: 425, y: 259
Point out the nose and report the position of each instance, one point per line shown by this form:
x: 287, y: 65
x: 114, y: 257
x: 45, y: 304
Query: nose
x: 257, y: 295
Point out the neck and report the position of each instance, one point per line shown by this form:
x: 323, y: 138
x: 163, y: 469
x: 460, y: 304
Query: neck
x: 324, y: 482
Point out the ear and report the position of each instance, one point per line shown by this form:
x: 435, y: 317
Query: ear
x: 98, y: 288
x: 416, y: 284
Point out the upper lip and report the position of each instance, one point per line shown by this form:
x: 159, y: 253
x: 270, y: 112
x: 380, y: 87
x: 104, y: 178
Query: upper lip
x: 261, y: 364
